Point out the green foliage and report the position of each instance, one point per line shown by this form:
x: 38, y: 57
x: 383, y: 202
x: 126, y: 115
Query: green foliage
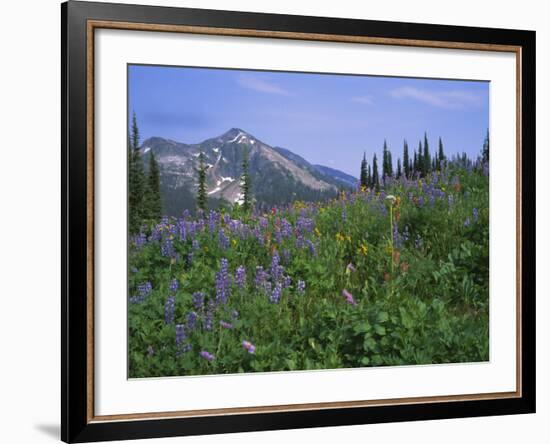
x: 421, y: 290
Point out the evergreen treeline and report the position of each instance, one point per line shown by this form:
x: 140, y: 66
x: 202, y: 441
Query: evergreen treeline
x: 144, y: 198
x: 419, y: 165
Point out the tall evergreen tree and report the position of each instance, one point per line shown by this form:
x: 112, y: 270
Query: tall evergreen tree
x: 440, y: 155
x: 384, y: 162
x: 201, y: 187
x: 369, y: 176
x: 363, y: 179
x: 136, y: 181
x: 420, y: 160
x: 246, y: 185
x: 485, y: 151
x: 406, y: 159
x: 427, y: 157
x: 375, y: 179
x: 154, y: 201
x: 415, y: 164
x: 398, y: 168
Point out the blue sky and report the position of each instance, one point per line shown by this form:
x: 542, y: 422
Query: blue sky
x: 329, y: 119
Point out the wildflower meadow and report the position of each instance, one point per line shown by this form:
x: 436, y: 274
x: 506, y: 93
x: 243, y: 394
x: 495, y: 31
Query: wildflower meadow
x: 377, y: 276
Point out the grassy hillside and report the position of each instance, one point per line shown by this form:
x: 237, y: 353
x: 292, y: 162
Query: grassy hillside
x: 395, y: 277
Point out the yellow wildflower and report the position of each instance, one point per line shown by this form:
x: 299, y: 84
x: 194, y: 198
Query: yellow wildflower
x: 317, y: 232
x: 363, y: 249
x: 234, y: 242
x: 340, y: 237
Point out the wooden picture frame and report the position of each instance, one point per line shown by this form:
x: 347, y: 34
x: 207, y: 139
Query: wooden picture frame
x: 79, y: 22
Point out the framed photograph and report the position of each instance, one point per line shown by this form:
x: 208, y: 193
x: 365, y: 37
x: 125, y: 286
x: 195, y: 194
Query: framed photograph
x: 275, y: 221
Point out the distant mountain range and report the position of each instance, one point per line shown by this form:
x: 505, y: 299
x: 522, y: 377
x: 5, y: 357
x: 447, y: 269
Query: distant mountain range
x: 278, y: 175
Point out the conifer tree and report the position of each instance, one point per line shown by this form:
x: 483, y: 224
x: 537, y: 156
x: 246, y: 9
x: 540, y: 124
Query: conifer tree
x: 369, y: 176
x: 420, y: 160
x: 427, y: 157
x: 375, y: 179
x: 246, y: 186
x: 136, y: 181
x: 406, y: 159
x: 440, y: 156
x: 398, y: 168
x: 485, y: 151
x: 201, y: 187
x: 415, y: 164
x: 363, y: 179
x: 154, y: 201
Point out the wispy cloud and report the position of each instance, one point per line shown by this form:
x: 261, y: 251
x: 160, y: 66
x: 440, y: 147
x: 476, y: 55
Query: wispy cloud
x: 365, y: 100
x: 456, y: 99
x: 261, y: 85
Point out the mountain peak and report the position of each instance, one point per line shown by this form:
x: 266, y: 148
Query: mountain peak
x: 233, y: 134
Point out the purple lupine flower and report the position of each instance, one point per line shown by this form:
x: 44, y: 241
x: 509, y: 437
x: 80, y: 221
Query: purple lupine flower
x: 182, y: 230
x: 301, y: 286
x: 198, y: 300
x: 286, y: 228
x: 287, y: 281
x: 191, y: 320
x: 249, y: 347
x: 167, y: 247
x: 349, y: 297
x: 144, y: 290
x: 170, y: 310
x: 276, y: 268
x: 226, y: 325
x: 311, y: 247
x: 150, y: 351
x: 467, y: 223
x: 304, y: 224
x: 261, y: 276
x: 223, y: 283
x: 223, y: 239
x: 205, y: 355
x: 134, y: 270
x: 418, y: 242
x: 174, y: 285
x: 240, y: 276
x: 195, y: 244
x: 212, y: 220
x: 208, y: 321
x: 181, y: 347
x: 475, y: 213
x: 275, y: 296
x: 264, y: 222
x: 140, y: 240
x: 258, y: 235
x: 190, y: 258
